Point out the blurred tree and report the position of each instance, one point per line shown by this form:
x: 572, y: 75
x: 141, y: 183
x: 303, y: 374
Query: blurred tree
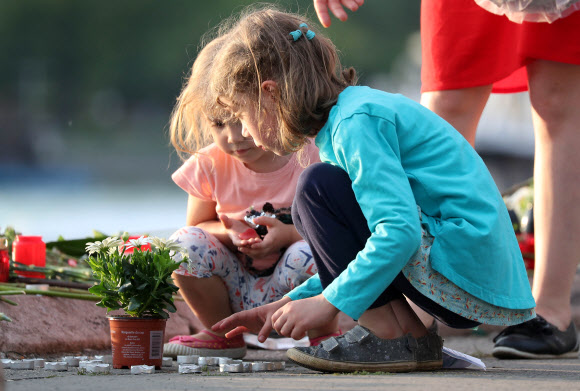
x: 115, y: 67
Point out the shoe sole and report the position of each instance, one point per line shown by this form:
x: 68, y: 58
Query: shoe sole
x: 429, y: 365
x: 505, y: 352
x: 319, y: 364
x: 173, y: 350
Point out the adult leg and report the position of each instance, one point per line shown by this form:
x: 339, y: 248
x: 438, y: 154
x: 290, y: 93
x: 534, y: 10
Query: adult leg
x: 461, y: 108
x: 554, y: 94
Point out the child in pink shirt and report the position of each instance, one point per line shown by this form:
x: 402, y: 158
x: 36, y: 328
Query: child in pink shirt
x: 231, y: 266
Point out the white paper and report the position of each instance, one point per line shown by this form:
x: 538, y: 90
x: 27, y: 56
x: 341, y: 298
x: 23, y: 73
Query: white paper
x: 453, y: 359
x: 275, y: 343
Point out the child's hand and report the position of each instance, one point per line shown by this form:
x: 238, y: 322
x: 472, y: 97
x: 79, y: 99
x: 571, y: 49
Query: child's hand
x: 257, y: 320
x: 279, y: 236
x: 297, y: 317
x: 236, y: 229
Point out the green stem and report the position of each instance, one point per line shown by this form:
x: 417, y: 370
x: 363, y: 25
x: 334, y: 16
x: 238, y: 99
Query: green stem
x: 7, y: 284
x: 88, y: 297
x: 7, y: 293
x: 8, y: 301
x: 79, y: 296
x: 150, y: 297
x: 82, y: 292
x: 11, y: 286
x: 4, y: 317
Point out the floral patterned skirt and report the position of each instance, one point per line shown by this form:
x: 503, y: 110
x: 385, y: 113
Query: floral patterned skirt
x: 444, y: 292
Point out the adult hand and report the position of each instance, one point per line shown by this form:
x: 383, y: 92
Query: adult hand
x: 297, y: 317
x: 336, y: 7
x: 257, y: 320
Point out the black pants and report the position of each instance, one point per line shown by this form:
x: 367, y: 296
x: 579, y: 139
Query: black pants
x: 328, y: 216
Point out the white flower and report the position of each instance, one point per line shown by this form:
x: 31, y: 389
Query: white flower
x: 137, y: 243
x: 93, y: 247
x: 112, y: 242
x: 167, y: 244
x: 106, y: 244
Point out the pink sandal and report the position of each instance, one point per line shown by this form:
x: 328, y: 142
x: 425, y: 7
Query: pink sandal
x: 318, y: 340
x: 184, y: 345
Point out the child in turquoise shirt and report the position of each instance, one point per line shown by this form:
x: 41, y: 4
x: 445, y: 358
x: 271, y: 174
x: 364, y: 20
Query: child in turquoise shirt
x: 401, y: 205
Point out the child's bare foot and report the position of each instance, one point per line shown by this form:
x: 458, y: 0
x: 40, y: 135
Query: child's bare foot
x: 318, y: 340
x: 316, y: 336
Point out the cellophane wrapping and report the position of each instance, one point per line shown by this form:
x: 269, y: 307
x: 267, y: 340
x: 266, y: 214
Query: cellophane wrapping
x: 542, y: 11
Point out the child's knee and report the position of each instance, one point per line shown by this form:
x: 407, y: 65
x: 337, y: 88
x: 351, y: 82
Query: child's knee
x: 191, y: 270
x: 192, y: 239
x: 297, y: 265
x: 206, y: 254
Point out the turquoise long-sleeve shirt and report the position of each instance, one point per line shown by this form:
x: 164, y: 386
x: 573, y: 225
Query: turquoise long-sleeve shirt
x: 399, y: 154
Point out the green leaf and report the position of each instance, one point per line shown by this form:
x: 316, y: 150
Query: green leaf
x: 125, y: 287
x: 97, y: 290
x: 163, y: 315
x: 171, y: 307
x: 134, y: 304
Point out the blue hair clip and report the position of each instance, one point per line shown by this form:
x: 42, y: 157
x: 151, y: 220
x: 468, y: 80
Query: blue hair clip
x: 296, y: 34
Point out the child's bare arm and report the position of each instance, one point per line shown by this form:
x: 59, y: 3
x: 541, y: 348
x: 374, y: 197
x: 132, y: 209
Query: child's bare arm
x: 199, y: 211
x: 202, y: 214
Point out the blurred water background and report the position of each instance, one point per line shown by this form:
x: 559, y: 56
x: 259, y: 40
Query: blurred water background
x: 87, y: 88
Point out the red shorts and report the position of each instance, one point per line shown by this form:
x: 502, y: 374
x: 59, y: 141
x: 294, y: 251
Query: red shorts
x: 465, y: 46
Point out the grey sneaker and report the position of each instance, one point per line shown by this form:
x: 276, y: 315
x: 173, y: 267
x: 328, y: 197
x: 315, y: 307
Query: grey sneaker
x: 429, y: 352
x: 358, y: 350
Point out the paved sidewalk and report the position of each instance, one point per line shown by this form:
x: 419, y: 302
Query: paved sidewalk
x: 519, y: 375
x: 500, y: 375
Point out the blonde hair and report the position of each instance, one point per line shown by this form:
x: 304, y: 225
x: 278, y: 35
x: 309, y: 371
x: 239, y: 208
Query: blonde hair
x: 187, y: 125
x: 307, y: 72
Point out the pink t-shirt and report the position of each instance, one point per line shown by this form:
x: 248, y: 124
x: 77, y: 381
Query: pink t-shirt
x: 213, y: 175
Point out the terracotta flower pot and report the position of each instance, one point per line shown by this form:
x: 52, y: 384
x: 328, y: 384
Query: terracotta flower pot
x: 137, y: 341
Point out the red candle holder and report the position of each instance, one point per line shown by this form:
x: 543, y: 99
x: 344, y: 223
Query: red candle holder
x: 4, y: 260
x: 29, y: 250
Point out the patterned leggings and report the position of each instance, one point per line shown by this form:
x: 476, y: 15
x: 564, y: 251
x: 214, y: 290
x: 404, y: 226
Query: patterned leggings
x: 209, y: 257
